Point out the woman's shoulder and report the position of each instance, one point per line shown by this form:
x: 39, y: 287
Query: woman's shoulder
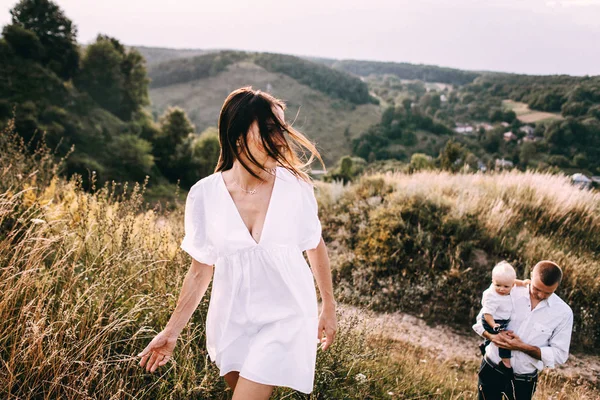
x: 205, y: 184
x: 288, y: 176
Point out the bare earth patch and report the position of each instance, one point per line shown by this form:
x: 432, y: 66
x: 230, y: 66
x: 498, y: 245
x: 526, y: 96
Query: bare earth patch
x: 450, y: 344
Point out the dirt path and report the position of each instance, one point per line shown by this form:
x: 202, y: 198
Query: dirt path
x: 450, y: 344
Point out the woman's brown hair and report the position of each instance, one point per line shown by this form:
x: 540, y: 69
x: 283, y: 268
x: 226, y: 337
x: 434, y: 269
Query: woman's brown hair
x: 244, y: 106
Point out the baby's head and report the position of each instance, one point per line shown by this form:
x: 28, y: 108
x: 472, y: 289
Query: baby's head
x: 503, y: 278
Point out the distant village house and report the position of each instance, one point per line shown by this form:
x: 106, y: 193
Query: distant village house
x: 464, y: 129
x: 508, y: 136
x: 581, y: 180
x: 527, y: 130
x: 485, y: 126
x: 503, y: 164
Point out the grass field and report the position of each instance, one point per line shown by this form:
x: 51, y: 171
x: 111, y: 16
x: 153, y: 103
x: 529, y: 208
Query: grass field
x: 88, y: 279
x: 320, y: 117
x: 527, y: 115
x: 426, y: 242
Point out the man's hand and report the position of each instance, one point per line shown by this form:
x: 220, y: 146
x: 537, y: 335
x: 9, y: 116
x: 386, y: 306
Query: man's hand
x: 514, y: 342
x: 506, y: 340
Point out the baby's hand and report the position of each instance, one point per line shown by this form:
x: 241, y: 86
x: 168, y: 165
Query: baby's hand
x: 522, y: 283
x: 496, y: 326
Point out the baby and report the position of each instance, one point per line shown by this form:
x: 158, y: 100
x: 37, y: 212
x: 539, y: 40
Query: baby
x: 497, y: 305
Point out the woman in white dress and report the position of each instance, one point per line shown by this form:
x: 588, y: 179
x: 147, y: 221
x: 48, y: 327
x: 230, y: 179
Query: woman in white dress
x: 248, y: 223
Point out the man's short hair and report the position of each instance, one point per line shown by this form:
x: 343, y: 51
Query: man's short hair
x: 550, y: 272
x: 504, y: 270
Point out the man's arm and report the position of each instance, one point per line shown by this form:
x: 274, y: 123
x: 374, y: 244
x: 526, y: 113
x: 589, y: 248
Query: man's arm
x: 557, y: 351
x: 532, y: 351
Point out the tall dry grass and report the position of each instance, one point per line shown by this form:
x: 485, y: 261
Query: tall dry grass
x: 427, y: 242
x: 87, y: 279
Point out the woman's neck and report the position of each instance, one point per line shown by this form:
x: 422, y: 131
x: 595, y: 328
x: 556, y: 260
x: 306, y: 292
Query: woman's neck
x: 244, y: 178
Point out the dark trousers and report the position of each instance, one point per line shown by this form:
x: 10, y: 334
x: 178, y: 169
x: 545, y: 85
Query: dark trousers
x: 493, y: 385
x: 504, y: 353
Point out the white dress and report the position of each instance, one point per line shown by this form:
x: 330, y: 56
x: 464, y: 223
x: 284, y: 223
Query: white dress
x: 263, y: 315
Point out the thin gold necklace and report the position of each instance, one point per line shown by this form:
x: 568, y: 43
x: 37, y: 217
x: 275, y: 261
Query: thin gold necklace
x: 253, y: 191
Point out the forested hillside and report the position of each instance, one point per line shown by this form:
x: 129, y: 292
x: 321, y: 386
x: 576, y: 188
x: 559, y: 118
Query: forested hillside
x: 92, y: 100
x: 330, y: 82
x: 427, y: 73
x: 156, y: 55
x: 543, y: 122
x: 199, y: 86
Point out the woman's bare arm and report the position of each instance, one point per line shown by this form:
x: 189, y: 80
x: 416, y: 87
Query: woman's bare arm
x: 319, y: 263
x: 194, y: 286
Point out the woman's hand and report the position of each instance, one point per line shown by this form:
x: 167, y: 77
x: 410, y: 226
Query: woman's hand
x: 327, y: 323
x: 158, y: 351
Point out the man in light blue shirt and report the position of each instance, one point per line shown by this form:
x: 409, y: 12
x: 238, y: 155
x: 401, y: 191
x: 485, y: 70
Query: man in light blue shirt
x: 539, y: 335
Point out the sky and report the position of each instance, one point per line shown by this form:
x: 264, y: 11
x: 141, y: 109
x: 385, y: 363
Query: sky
x: 522, y: 36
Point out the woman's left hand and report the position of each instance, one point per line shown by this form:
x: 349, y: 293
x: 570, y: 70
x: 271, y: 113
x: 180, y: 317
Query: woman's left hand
x: 327, y: 323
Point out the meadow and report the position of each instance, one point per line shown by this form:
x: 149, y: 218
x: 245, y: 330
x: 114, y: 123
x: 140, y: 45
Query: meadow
x: 87, y: 279
x: 426, y: 242
x: 527, y: 115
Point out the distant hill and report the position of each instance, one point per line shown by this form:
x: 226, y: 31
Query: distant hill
x: 563, y: 110
x: 422, y: 72
x: 156, y: 55
x: 333, y: 83
x: 328, y: 101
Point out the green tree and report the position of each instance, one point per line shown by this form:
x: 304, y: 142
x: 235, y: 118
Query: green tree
x: 452, y: 156
x: 206, y: 151
x: 55, y: 31
x: 580, y: 160
x: 23, y: 42
x: 135, y: 84
x: 420, y: 161
x: 131, y: 157
x: 346, y: 169
x: 101, y: 75
x: 527, y: 153
x: 114, y: 77
x: 168, y: 150
x: 492, y: 140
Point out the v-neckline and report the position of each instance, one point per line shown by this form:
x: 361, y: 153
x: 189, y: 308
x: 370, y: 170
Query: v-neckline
x: 239, y: 216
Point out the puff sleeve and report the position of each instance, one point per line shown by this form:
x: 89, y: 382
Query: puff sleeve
x: 489, y: 302
x: 195, y: 241
x: 309, y: 225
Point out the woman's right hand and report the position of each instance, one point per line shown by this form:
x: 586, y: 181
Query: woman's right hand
x: 159, y: 351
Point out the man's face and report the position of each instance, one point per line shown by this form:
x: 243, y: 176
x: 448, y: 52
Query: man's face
x: 538, y: 290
